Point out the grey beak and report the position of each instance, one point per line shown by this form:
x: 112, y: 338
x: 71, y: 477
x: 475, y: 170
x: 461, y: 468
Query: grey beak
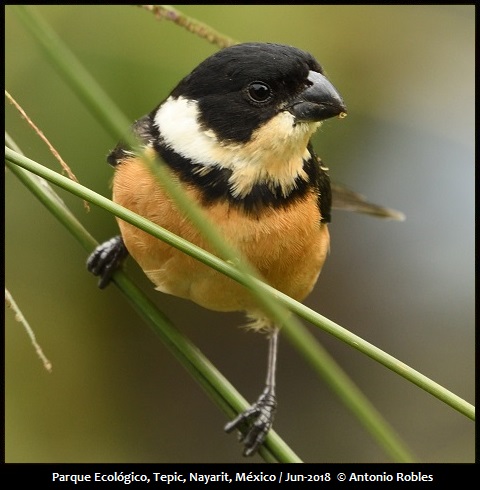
x: 317, y: 102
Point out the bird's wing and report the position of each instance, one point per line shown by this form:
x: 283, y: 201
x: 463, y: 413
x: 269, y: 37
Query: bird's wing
x: 142, y: 131
x: 347, y: 200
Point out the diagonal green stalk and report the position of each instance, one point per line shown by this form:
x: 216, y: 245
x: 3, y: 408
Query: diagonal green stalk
x: 225, y: 268
x: 82, y: 83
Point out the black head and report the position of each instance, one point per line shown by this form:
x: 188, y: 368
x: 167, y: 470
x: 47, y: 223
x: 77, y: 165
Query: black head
x: 249, y: 84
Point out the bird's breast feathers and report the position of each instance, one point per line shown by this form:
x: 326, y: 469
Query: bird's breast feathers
x: 288, y: 246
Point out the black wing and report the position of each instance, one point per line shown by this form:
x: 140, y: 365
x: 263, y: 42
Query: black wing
x: 142, y: 131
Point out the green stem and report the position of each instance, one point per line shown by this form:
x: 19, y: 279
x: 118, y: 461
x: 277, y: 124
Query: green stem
x: 225, y: 268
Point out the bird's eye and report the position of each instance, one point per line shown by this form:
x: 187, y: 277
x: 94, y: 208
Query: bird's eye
x: 259, y: 92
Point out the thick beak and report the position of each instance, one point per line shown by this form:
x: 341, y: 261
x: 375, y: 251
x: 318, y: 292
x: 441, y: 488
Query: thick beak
x: 317, y: 102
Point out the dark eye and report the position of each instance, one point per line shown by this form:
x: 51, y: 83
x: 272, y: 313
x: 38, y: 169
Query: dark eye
x: 259, y: 91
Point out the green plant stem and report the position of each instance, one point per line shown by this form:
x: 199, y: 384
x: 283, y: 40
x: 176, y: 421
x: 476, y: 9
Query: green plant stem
x: 93, y: 96
x: 207, y: 258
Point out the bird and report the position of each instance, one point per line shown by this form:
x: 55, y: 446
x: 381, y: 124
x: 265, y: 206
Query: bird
x: 236, y: 133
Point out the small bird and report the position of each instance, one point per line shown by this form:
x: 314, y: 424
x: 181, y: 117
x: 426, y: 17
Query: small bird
x: 236, y: 134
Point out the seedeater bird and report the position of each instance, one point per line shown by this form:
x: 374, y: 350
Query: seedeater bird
x: 236, y: 134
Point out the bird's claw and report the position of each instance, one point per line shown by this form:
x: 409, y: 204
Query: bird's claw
x: 254, y: 423
x: 106, y: 259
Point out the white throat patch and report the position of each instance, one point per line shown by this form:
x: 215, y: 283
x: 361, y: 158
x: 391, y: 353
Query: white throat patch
x: 273, y: 156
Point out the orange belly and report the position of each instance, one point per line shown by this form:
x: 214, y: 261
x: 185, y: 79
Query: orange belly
x: 287, y: 246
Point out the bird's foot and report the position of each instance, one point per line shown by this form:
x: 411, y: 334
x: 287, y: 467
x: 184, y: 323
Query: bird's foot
x: 106, y: 259
x: 254, y: 423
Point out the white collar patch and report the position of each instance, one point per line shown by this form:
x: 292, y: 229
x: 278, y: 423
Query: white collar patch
x: 275, y: 155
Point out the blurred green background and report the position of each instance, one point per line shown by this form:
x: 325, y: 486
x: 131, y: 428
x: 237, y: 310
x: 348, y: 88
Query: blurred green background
x: 116, y: 394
